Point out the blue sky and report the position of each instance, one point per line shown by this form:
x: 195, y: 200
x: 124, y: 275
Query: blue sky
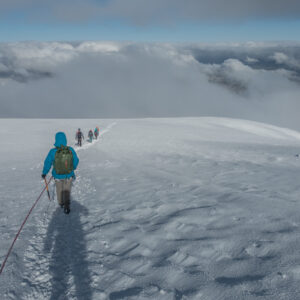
x: 164, y: 21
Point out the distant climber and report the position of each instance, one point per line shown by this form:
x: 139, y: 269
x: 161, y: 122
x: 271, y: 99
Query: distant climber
x: 90, y: 135
x: 79, y: 137
x: 64, y: 161
x: 96, y: 132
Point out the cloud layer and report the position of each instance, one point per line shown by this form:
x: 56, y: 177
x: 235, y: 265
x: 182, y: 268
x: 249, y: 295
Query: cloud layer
x: 96, y: 79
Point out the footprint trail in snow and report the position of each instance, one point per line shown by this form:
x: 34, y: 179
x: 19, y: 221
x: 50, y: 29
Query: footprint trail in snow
x: 196, y: 208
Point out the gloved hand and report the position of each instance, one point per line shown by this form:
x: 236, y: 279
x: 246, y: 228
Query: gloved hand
x: 43, y: 176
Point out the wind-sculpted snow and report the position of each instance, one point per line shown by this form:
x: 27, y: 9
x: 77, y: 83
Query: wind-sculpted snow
x: 195, y: 208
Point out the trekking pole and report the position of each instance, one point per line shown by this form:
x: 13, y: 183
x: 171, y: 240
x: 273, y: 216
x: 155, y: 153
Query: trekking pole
x: 47, y: 188
x: 21, y: 227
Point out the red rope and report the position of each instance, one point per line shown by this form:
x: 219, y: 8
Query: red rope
x: 17, y: 235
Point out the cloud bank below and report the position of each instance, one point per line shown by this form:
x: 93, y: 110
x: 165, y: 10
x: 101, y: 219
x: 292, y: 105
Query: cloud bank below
x: 254, y: 81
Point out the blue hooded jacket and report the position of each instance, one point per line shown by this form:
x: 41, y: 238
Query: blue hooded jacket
x: 60, y: 140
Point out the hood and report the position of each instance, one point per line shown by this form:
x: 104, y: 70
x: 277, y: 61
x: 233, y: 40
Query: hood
x: 60, y: 139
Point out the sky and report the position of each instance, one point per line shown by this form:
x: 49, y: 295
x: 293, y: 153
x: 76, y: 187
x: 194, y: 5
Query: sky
x: 149, y: 21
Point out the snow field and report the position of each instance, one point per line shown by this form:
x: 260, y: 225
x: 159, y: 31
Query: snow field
x: 199, y: 208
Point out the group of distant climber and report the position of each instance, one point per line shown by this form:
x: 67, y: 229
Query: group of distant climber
x: 63, y: 160
x: 91, y: 135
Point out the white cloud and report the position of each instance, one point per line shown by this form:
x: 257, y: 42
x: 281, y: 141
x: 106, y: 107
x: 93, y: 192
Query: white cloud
x: 290, y: 61
x: 104, y: 47
x: 106, y: 79
x: 234, y: 65
x: 251, y: 60
x: 280, y: 58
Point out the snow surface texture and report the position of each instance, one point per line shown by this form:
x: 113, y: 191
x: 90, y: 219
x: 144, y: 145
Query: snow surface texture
x: 187, y: 208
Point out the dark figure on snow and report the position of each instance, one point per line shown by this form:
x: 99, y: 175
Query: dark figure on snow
x: 96, y: 132
x: 64, y: 161
x: 79, y: 137
x: 91, y: 135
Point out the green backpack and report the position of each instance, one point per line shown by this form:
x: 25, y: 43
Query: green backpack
x: 63, y: 161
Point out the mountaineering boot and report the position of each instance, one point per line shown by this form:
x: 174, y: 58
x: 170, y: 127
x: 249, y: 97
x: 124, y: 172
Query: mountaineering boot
x: 66, y: 197
x: 66, y: 210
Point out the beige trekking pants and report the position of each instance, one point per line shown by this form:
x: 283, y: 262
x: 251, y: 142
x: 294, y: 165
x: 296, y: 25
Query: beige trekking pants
x: 63, y: 190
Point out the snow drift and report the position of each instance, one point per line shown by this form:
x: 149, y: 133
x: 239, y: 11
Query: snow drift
x: 195, y: 208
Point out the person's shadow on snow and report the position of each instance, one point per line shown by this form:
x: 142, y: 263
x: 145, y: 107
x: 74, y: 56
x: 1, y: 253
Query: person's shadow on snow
x: 70, y: 277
